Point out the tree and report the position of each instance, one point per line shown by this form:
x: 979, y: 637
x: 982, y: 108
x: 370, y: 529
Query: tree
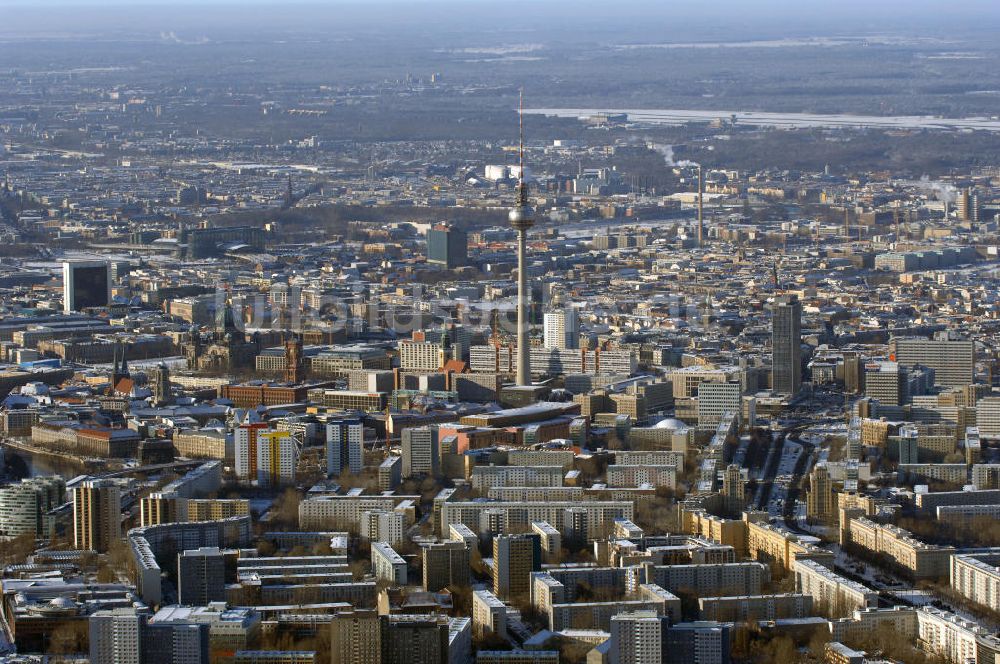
x: 572, y: 652
x: 461, y: 599
x: 68, y: 638
x: 476, y: 563
x: 491, y: 641
x: 893, y: 644
x: 17, y: 550
x: 818, y: 641
x: 120, y: 559
x: 777, y: 649
x: 285, y: 510
x: 360, y: 568
x: 657, y: 515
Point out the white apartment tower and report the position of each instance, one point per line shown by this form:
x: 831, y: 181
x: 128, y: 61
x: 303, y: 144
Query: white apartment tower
x: 344, y: 447
x: 562, y: 328
x: 636, y: 638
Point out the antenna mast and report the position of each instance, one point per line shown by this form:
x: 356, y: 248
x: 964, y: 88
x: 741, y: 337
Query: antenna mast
x: 522, y: 194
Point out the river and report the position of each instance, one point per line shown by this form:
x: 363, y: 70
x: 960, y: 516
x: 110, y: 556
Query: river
x: 19, y: 464
x: 781, y: 120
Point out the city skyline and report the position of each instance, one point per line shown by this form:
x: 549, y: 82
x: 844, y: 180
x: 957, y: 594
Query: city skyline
x: 481, y: 333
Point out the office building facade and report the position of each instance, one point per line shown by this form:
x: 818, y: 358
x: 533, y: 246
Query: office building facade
x: 344, y: 447
x: 953, y: 360
x: 277, y: 457
x: 445, y: 564
x: 421, y: 452
x: 515, y: 557
x: 24, y: 506
x: 562, y: 328
x: 201, y: 576
x: 86, y: 284
x: 786, y: 344
x: 97, y: 515
x: 447, y: 246
x: 355, y: 637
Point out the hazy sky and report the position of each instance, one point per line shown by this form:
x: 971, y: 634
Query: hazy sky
x: 818, y: 7
x: 932, y: 17
x: 952, y: 9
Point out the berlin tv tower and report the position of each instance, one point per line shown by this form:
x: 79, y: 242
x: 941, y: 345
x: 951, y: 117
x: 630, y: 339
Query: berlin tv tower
x: 521, y: 220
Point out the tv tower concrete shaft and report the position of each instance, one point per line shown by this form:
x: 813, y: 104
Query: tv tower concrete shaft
x: 521, y: 219
x: 523, y: 354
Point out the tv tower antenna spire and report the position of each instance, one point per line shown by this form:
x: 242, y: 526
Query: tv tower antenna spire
x: 522, y: 194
